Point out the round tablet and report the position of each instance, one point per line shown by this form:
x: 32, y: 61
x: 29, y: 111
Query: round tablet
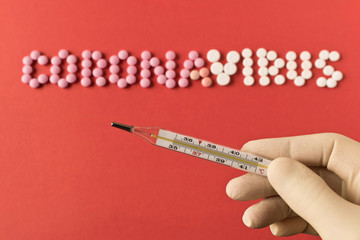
x: 145, y: 73
x: 321, y: 82
x: 55, y: 69
x: 170, y: 83
x: 264, y: 81
x: 206, y: 82
x: 246, y: 53
x: 35, y: 54
x: 185, y: 73
x: 199, y: 62
x: 97, y: 72
x: 248, y: 62
x: 43, y: 78
x: 63, y: 54
x: 96, y: 55
x: 121, y: 83
x: 331, y: 83
x: 271, y: 55
x: 130, y: 79
x: 70, y: 78
x: 146, y: 55
x: 101, y: 63
x: 43, y: 60
x: 85, y: 82
x: 249, y: 81
x: 54, y: 78
x: 223, y: 79
x: 114, y: 69
x: 279, y: 63
x: 188, y: 64
x: 154, y: 62
x: 183, y: 82
x: 291, y: 65
x: 27, y: 69
x: 230, y: 68
x: 114, y: 60
x: 72, y: 68
x: 279, y: 80
x: 216, y: 68
x: 25, y: 78
x: 263, y: 71
x: 86, y: 54
x: 306, y: 64
x: 131, y: 60
x: 159, y: 70
x: 194, y: 75
x: 100, y: 81
x: 306, y: 74
x: 34, y: 83
x: 62, y: 83
x: 113, y: 78
x: 328, y: 70
x: 86, y: 63
x: 213, y: 55
x: 262, y: 62
x: 170, y: 74
x: 261, y: 53
x: 334, y: 56
x: 233, y: 56
x: 86, y: 72
x: 273, y: 71
x: 204, y: 72
x: 145, y: 83
x: 145, y: 64
x: 132, y: 70
x: 27, y: 60
x: 291, y: 74
x: 170, y: 55
x: 161, y: 79
x: 123, y: 54
x: 320, y: 63
x: 193, y: 55
x: 55, y: 60
x: 305, y: 56
x: 170, y: 64
x: 299, y: 81
x: 71, y: 59
x: 324, y: 54
x: 337, y: 76
x: 291, y: 56
x: 247, y: 71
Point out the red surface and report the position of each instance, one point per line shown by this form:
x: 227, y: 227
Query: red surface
x: 66, y: 174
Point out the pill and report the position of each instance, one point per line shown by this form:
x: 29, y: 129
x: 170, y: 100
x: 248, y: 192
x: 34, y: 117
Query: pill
x: 330, y: 83
x: 216, y: 68
x: 161, y: 79
x: 324, y: 54
x: 271, y: 55
x: 170, y: 64
x: 86, y: 72
x: 114, y: 60
x: 320, y: 63
x: 233, y: 56
x: 62, y: 83
x: 334, y: 56
x: 35, y: 54
x: 291, y: 65
x: 70, y: 78
x: 123, y: 54
x: 306, y: 74
x: 230, y: 68
x: 223, y: 79
x: 299, y: 81
x: 264, y: 81
x: 145, y: 83
x: 337, y: 76
x: 321, y: 82
x: 170, y: 74
x: 279, y: 79
x: 204, y: 72
x: 248, y: 62
x: 72, y: 68
x: 55, y: 60
x: 306, y: 64
x: 328, y: 70
x: 291, y: 56
x: 27, y: 69
x: 100, y: 81
x: 85, y: 82
x: 25, y: 78
x: 185, y: 73
x: 101, y: 63
x: 54, y: 78
x: 183, y: 82
x: 113, y: 78
x: 86, y: 63
x: 199, y: 62
x: 130, y: 79
x: 86, y: 54
x: 27, y: 60
x: 170, y: 55
x: 145, y: 64
x: 279, y: 63
x: 122, y: 83
x: 170, y: 83
x: 154, y: 62
x: 132, y: 70
x: 263, y: 71
x: 261, y: 53
x: 305, y: 56
x: 43, y: 60
x: 55, y: 69
x: 146, y: 55
x: 159, y: 70
x: 249, y: 81
x: 131, y: 60
x: 97, y: 72
x: 246, y: 53
x: 291, y: 74
x: 213, y: 55
x: 34, y: 83
x: 193, y: 55
x: 206, y: 82
x: 194, y: 75
x: 262, y: 62
x: 96, y: 55
x: 188, y: 64
x: 114, y: 69
x: 71, y: 59
x: 247, y: 71
x: 43, y: 78
x: 63, y: 54
x: 273, y: 71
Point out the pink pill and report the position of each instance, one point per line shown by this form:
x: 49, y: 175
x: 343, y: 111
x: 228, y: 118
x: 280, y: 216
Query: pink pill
x: 43, y: 78
x: 206, y: 82
x: 86, y: 63
x: 161, y: 79
x: 62, y: 83
x: 54, y: 78
x: 159, y: 70
x: 27, y: 69
x: 154, y: 62
x: 122, y: 83
x: 114, y: 69
x: 86, y: 72
x: 70, y: 78
x: 55, y: 60
x: 27, y: 60
x: 34, y: 83
x: 86, y: 54
x: 170, y: 74
x: 131, y: 60
x: 72, y: 68
x: 85, y: 82
x: 145, y: 64
x: 145, y: 83
x: 183, y: 82
x: 193, y: 55
x: 101, y: 63
x: 55, y: 69
x: 113, y: 78
x: 199, y: 62
x: 170, y: 64
x: 100, y: 81
x: 146, y: 55
x: 63, y: 54
x: 43, y: 60
x: 96, y: 55
x: 114, y: 60
x: 130, y: 79
x: 185, y: 73
x: 71, y: 59
x: 35, y: 54
x: 132, y: 70
x: 145, y: 73
x: 123, y: 54
x: 188, y: 64
x: 25, y: 78
x: 170, y: 83
x: 97, y: 72
x: 170, y: 55
x: 204, y: 72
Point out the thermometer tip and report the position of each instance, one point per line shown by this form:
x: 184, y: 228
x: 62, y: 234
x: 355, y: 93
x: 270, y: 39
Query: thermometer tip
x: 122, y: 126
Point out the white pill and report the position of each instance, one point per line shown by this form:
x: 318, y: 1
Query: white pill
x: 263, y: 71
x: 328, y: 70
x: 337, y: 76
x: 292, y: 74
x: 279, y: 63
x: 262, y: 62
x: 249, y: 81
x: 246, y: 53
x: 321, y: 82
x: 320, y: 63
x: 273, y: 71
x: 334, y: 56
x: 230, y: 68
x: 291, y: 56
x: 291, y: 65
x: 324, y: 54
x: 305, y: 55
x: 279, y: 80
x: 213, y: 55
x: 331, y: 83
x: 264, y: 81
x: 299, y: 81
x: 223, y: 79
x: 271, y: 55
x: 248, y: 62
x: 216, y: 68
x: 306, y: 64
x: 247, y: 71
x: 233, y: 57
x: 261, y: 53
x: 306, y: 74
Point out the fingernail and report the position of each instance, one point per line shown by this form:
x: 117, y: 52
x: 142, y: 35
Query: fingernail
x: 246, y: 219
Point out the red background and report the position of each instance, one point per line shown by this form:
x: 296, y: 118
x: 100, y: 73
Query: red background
x: 66, y: 174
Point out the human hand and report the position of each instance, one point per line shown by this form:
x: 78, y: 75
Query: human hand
x: 321, y: 200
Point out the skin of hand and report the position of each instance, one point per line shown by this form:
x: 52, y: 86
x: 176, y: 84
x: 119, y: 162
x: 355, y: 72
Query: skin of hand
x: 313, y: 186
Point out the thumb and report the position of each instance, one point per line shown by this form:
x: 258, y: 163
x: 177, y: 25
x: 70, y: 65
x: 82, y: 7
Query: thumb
x: 310, y: 197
